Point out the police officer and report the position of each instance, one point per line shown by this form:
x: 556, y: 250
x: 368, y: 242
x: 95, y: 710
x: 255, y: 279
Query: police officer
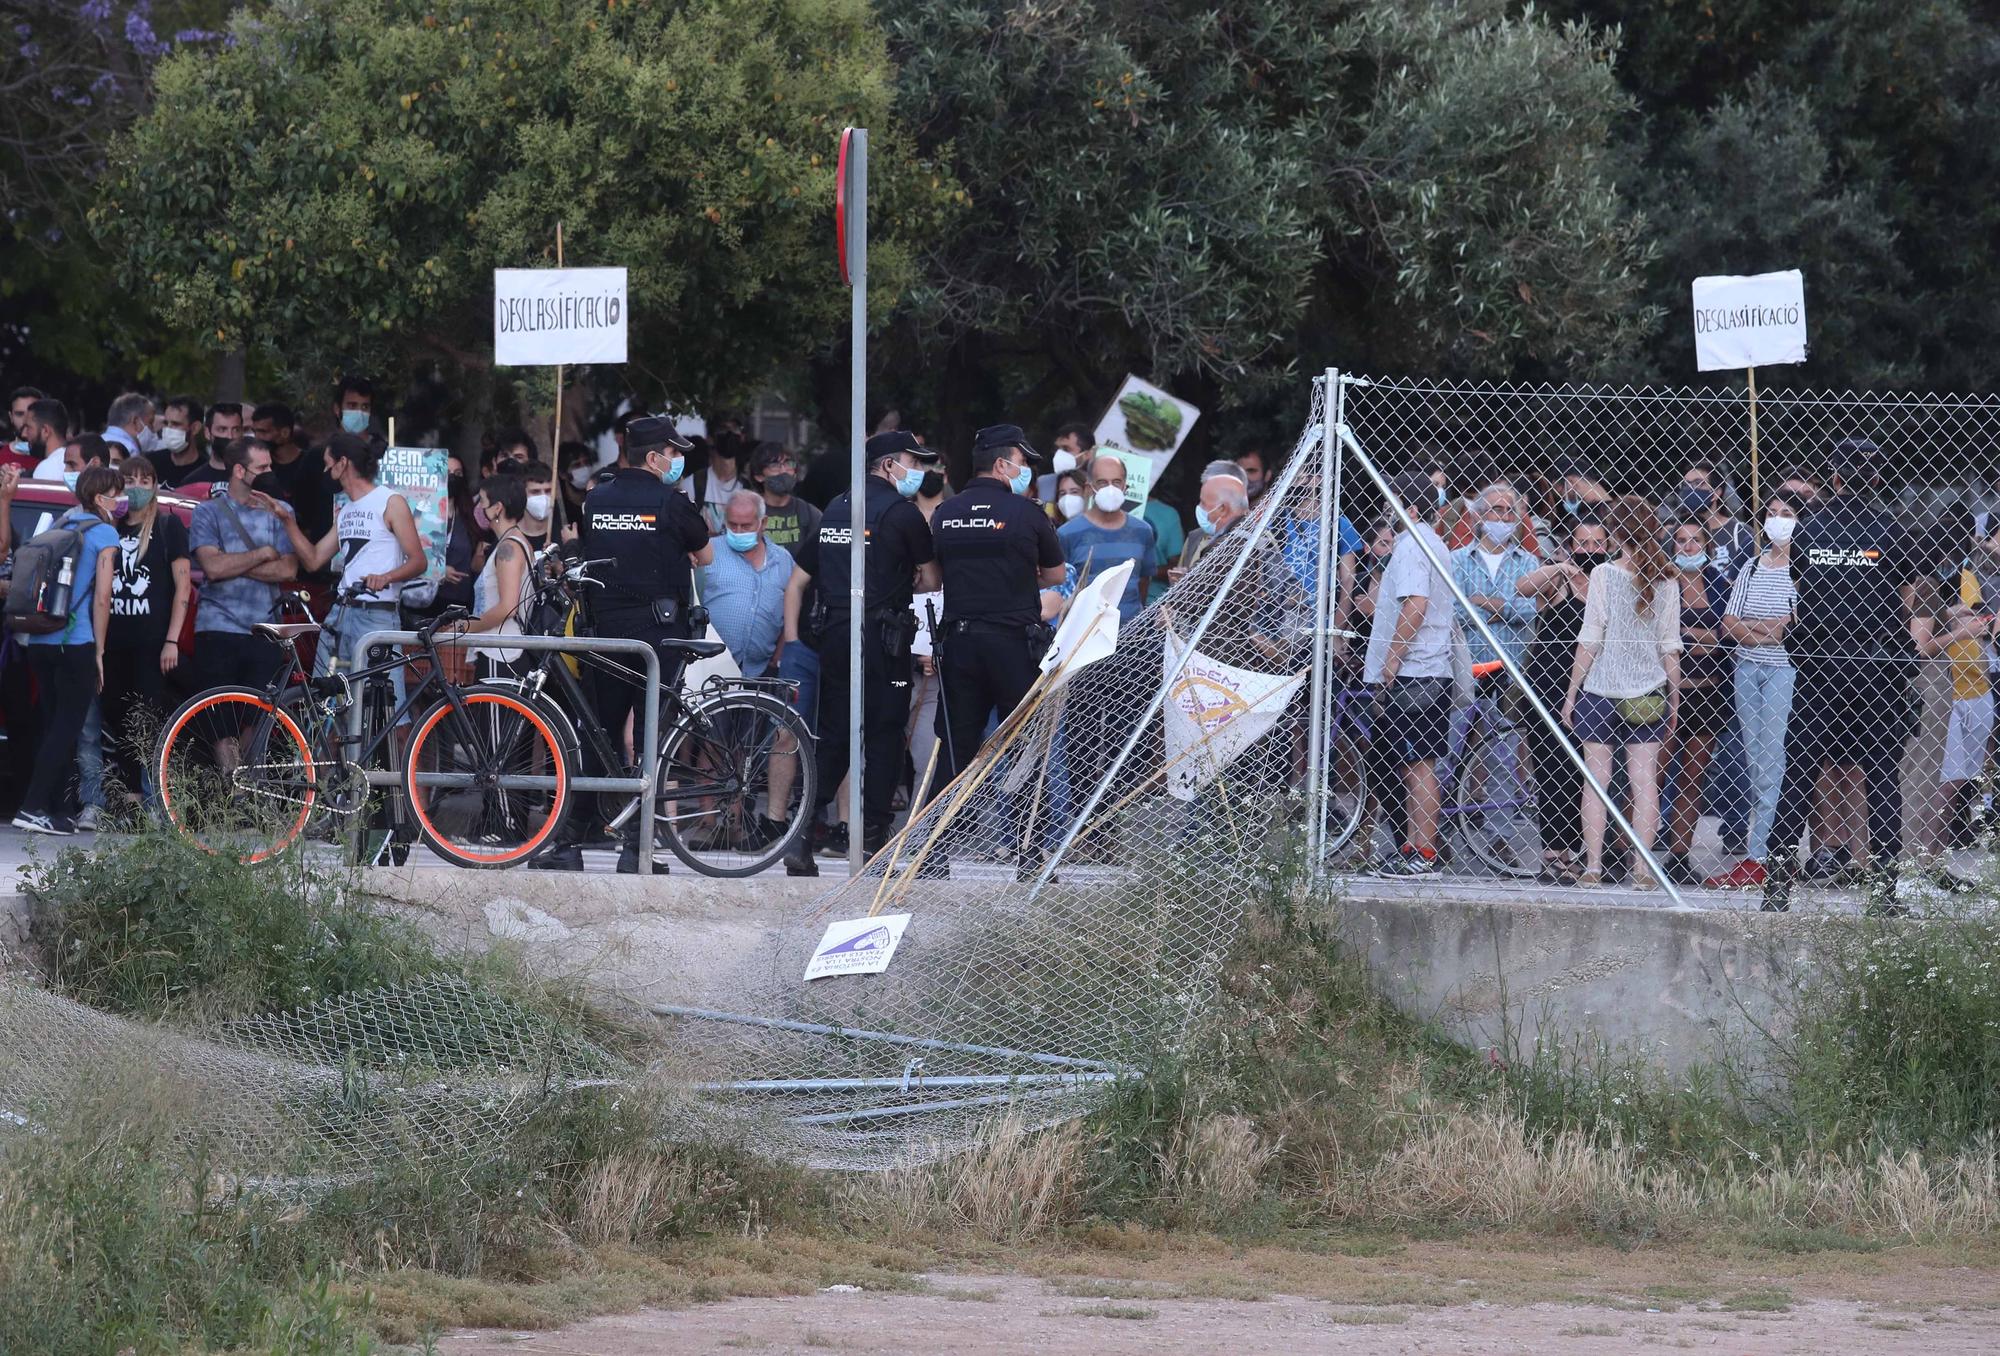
x: 639, y: 519
x: 1851, y: 639
x: 898, y: 556
x: 996, y: 549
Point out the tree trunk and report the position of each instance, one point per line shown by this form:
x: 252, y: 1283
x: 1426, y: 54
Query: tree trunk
x: 231, y: 375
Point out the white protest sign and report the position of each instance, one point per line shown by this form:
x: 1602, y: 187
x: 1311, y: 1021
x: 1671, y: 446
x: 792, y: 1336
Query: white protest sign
x: 1214, y: 712
x: 1089, y: 630
x: 925, y: 605
x: 857, y: 946
x: 1753, y: 321
x: 546, y: 316
x: 1144, y: 425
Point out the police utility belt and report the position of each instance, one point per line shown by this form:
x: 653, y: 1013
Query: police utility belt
x: 893, y: 628
x: 1038, y: 634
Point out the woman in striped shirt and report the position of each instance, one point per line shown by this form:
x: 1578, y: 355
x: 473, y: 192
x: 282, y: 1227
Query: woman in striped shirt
x: 1760, y: 609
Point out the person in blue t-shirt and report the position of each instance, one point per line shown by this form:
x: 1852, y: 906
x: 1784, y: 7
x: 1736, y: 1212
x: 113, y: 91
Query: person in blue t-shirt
x: 68, y: 664
x: 1105, y: 536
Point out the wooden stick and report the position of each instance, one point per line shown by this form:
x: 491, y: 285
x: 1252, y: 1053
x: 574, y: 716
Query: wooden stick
x: 896, y: 843
x: 1756, y: 493
x: 555, y: 430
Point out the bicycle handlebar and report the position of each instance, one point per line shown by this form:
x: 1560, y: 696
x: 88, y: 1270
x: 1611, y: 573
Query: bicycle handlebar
x: 451, y: 616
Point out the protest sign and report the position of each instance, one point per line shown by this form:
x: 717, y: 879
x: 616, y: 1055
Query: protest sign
x: 1089, y: 630
x: 1215, y: 711
x: 545, y: 317
x: 857, y: 946
x: 1145, y: 427
x: 422, y: 476
x: 1753, y: 321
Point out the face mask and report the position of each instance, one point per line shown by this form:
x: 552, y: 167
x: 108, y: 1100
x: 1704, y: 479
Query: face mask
x: 1062, y: 461
x: 354, y: 421
x: 1692, y: 562
x: 782, y: 483
x: 454, y: 485
x: 148, y: 440
x: 1443, y: 497
x: 69, y: 480
x: 173, y: 439
x: 674, y: 469
x: 741, y: 541
x: 1203, y: 521
x: 20, y: 446
x: 539, y: 506
x: 1589, y: 560
x: 268, y: 483
x: 579, y: 476
x: 1070, y: 505
x: 1497, y: 534
x: 1780, y: 530
x: 1022, y: 479
x: 1572, y: 507
x: 1696, y: 501
x: 479, y: 517
x: 933, y: 485
x: 1109, y: 498
x: 139, y: 495
x: 121, y: 506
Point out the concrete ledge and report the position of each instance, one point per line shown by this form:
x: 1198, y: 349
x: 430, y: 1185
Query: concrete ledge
x: 1674, y: 986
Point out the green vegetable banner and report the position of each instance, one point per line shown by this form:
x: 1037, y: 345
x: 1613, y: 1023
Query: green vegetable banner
x: 1146, y: 426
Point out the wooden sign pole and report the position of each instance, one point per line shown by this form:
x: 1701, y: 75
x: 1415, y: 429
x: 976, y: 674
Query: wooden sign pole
x: 1756, y: 494
x: 555, y: 430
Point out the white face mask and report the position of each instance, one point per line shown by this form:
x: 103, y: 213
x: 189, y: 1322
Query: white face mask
x: 1780, y: 530
x: 579, y: 476
x: 539, y: 506
x: 1062, y: 461
x: 1070, y: 505
x: 173, y: 439
x: 1109, y: 498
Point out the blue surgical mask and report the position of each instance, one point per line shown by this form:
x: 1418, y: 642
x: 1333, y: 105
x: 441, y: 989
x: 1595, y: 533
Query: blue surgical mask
x: 909, y: 482
x: 70, y: 478
x: 1572, y: 506
x: 1022, y: 479
x: 354, y: 421
x: 1203, y: 521
x: 1693, y: 562
x: 1443, y: 497
x: 1497, y: 534
x: 741, y: 541
x: 20, y: 446
x: 674, y: 469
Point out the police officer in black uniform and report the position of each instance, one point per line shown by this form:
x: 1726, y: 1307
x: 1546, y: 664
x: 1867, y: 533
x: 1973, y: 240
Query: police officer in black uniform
x: 640, y: 519
x: 898, y: 556
x: 1855, y: 704
x: 996, y: 550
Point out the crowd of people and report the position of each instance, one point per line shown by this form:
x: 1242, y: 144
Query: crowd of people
x: 1703, y: 666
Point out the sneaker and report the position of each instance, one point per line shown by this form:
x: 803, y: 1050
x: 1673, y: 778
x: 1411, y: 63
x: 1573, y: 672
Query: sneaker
x: 1778, y: 885
x: 1679, y: 869
x: 60, y: 828
x: 568, y: 857
x: 1942, y: 878
x: 835, y: 842
x: 1407, y: 861
x: 1827, y: 863
x: 628, y: 863
x: 1748, y: 875
x: 86, y: 819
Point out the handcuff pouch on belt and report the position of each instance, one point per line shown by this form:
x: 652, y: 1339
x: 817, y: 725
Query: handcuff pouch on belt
x: 894, y: 629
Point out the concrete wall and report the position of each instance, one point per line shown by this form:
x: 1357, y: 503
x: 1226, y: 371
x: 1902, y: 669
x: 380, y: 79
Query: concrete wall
x: 1671, y: 985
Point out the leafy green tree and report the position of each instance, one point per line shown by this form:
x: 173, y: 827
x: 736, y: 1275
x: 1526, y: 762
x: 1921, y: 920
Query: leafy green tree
x: 1218, y: 196
x: 334, y: 188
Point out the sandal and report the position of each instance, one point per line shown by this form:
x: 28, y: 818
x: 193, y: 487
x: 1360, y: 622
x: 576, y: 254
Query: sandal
x: 1555, y: 871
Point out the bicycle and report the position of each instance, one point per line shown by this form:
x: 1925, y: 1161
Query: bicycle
x: 1490, y: 802
x: 485, y: 772
x: 735, y: 771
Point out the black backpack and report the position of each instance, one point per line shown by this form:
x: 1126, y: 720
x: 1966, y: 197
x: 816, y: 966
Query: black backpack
x: 38, y: 603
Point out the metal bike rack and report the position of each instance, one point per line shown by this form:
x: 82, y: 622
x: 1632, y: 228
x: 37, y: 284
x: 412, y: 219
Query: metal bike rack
x: 649, y: 718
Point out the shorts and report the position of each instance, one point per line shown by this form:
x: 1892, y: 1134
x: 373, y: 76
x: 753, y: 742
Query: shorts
x: 1858, y: 712
x: 1706, y: 710
x: 1965, y: 736
x: 1406, y: 734
x: 229, y: 659
x: 1597, y: 722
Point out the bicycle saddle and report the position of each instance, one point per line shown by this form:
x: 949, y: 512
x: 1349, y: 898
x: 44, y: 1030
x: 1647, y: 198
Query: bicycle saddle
x: 285, y: 630
x: 693, y: 649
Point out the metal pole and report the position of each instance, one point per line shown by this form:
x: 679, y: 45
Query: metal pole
x: 1273, y: 497
x: 1443, y: 567
x: 857, y: 490
x: 880, y: 1037
x: 1329, y: 452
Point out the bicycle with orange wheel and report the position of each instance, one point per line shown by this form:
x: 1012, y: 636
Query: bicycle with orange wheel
x: 248, y: 772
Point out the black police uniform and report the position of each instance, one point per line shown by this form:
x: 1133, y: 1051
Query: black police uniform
x: 647, y: 529
x: 1854, y: 702
x: 896, y: 542
x: 992, y: 545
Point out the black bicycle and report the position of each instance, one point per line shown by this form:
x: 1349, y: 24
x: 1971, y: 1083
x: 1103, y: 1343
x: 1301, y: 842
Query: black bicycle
x: 736, y: 771
x: 485, y: 769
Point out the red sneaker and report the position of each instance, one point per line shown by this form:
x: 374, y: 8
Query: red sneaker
x: 1748, y: 875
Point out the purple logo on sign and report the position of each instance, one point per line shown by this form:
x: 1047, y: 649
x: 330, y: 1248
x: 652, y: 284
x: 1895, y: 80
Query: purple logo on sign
x: 872, y: 940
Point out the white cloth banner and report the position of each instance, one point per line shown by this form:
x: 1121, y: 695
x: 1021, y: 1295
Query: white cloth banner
x: 1089, y: 630
x: 1215, y: 711
x: 1754, y: 321
x: 545, y: 316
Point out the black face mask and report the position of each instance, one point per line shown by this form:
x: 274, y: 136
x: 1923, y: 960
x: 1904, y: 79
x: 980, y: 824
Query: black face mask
x: 782, y: 483
x: 268, y: 483
x: 455, y: 485
x: 933, y: 485
x: 1589, y: 560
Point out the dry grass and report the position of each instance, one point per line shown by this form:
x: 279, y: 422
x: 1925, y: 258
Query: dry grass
x: 1013, y: 1184
x: 627, y: 1197
x: 1212, y: 1171
x: 1483, y: 1168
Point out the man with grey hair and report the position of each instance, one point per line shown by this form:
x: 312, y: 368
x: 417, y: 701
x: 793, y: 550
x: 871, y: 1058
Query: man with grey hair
x: 746, y: 585
x: 1197, y: 541
x: 1489, y: 570
x: 129, y: 423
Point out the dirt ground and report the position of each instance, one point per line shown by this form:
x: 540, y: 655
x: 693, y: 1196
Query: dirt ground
x: 1577, y: 1302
